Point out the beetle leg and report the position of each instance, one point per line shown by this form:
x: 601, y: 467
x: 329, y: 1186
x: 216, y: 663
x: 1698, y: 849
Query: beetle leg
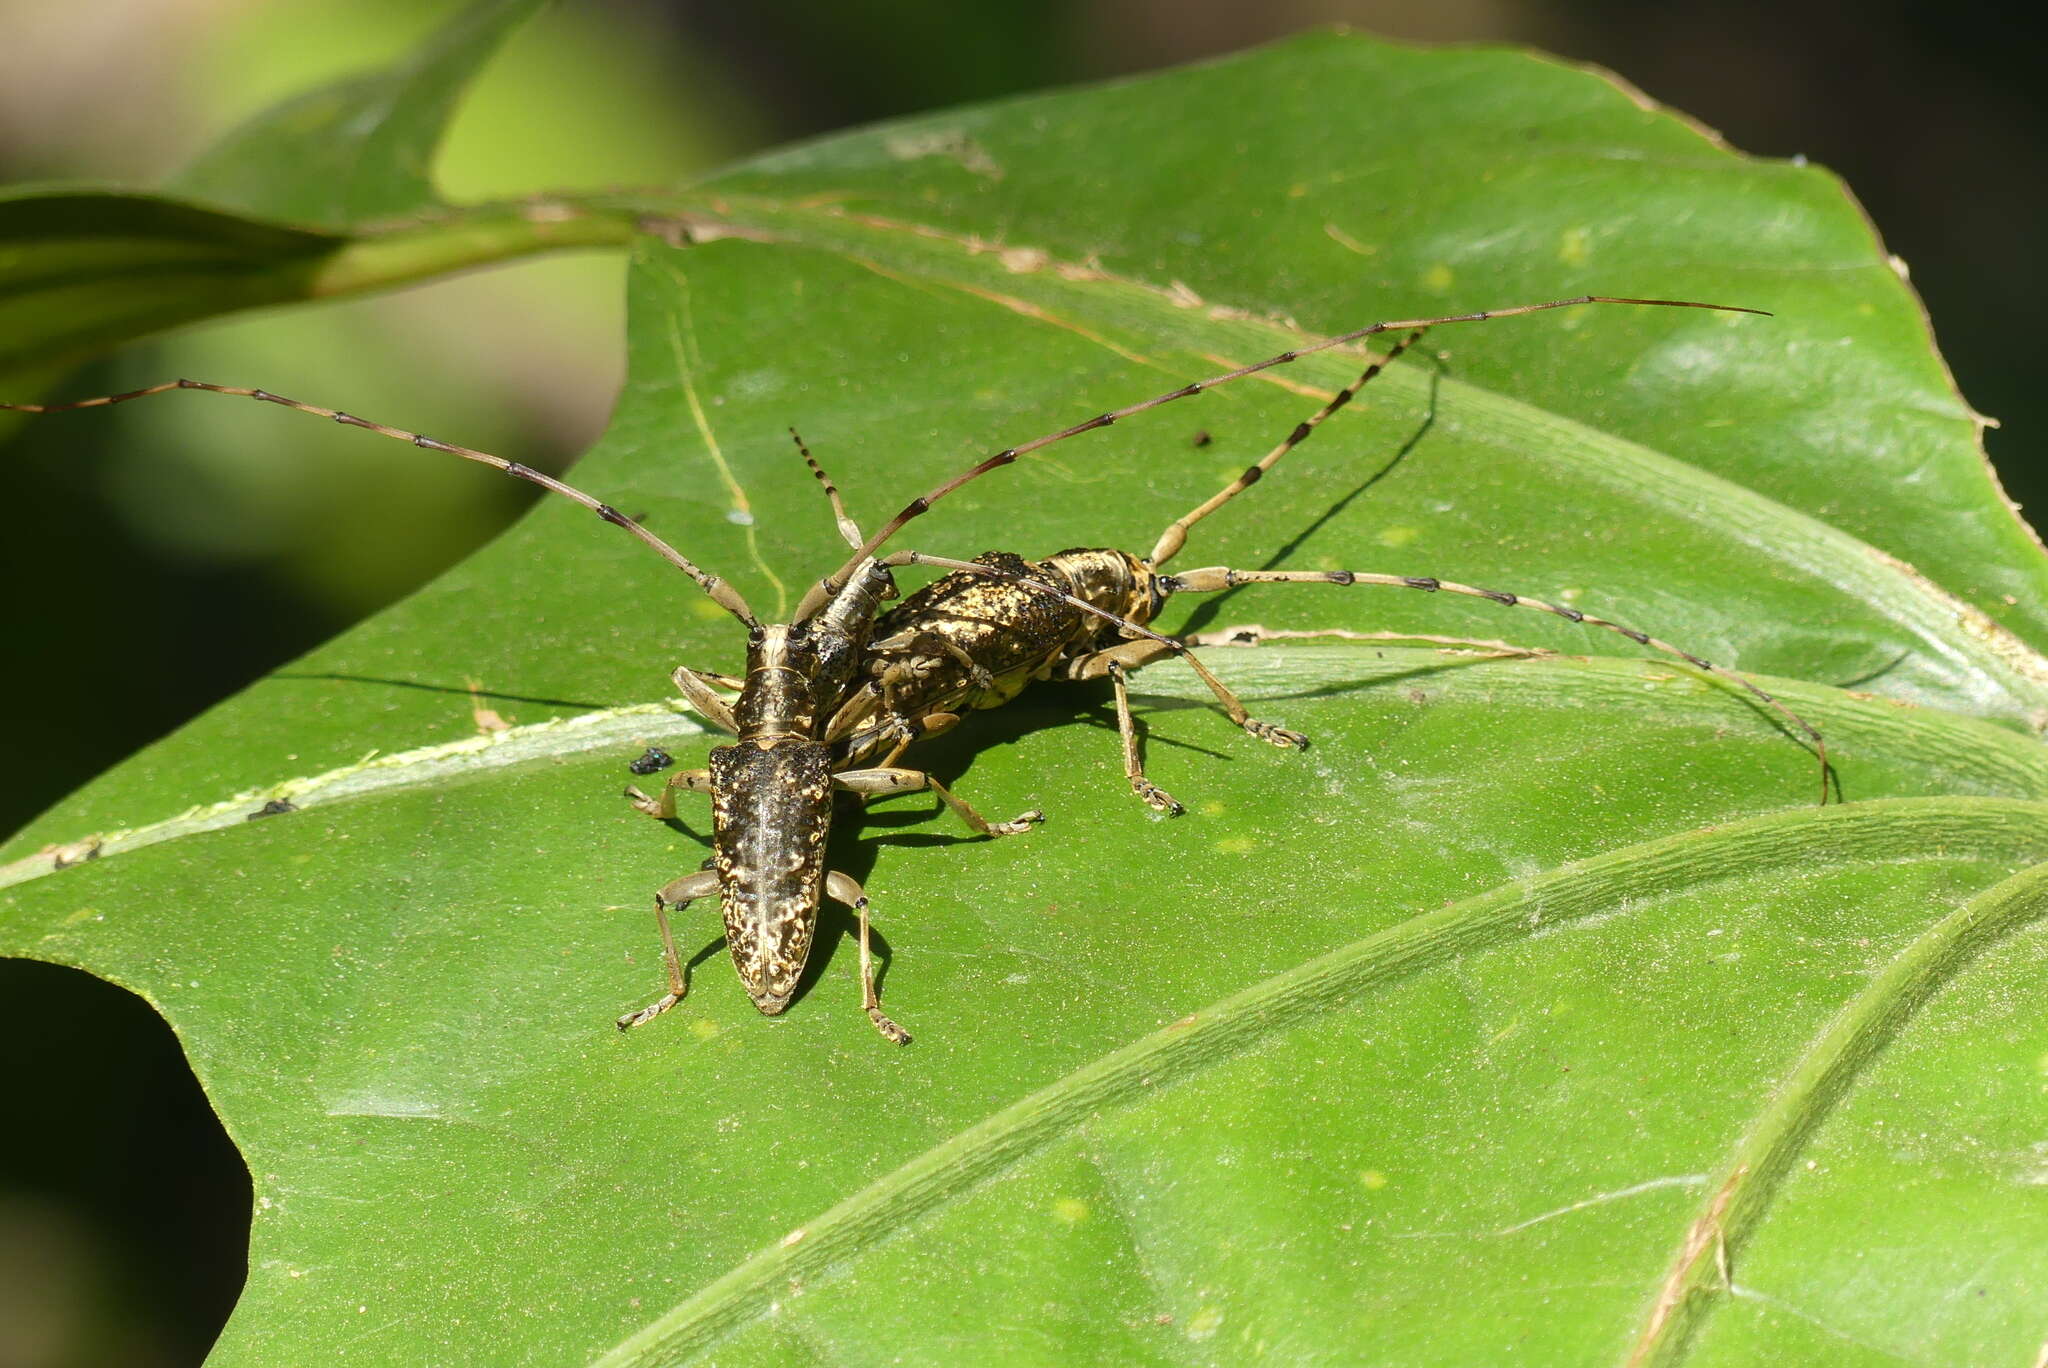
x: 664, y: 807
x: 896, y: 731
x: 853, y: 713
x: 1133, y: 654
x: 1117, y: 662
x: 890, y: 683
x: 918, y: 729
x: 928, y: 642
x: 921, y: 729
x: 843, y: 889
x: 880, y: 782
x: 1134, y: 764
x: 679, y: 894
x: 730, y: 683
x: 696, y: 686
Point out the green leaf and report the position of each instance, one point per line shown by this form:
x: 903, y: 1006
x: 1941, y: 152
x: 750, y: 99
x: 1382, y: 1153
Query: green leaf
x: 1537, y: 981
x: 359, y: 149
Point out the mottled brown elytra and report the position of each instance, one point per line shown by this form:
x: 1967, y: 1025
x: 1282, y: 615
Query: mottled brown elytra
x: 830, y: 700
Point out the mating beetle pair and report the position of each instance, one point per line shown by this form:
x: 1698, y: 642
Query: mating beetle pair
x: 829, y: 701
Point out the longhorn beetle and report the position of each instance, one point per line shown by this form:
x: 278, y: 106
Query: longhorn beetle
x: 803, y: 721
x: 976, y: 637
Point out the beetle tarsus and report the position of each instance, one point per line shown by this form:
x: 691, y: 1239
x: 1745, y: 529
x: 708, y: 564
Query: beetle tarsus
x: 649, y: 1012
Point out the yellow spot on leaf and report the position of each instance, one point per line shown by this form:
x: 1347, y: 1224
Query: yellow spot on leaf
x: 1205, y: 1322
x: 1071, y: 1210
x: 704, y: 1028
x: 1571, y: 247
x: 706, y: 608
x: 1438, y: 277
x: 1372, y: 1180
x: 1212, y: 808
x: 1396, y: 537
x: 82, y: 914
x: 1237, y: 845
x: 1338, y: 235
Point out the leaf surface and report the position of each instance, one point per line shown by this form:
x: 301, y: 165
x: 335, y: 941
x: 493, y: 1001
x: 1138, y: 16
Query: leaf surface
x: 1537, y: 980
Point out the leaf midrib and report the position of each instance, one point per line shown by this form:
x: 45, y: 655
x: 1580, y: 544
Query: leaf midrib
x: 1990, y: 754
x: 416, y: 767
x: 1740, y: 1196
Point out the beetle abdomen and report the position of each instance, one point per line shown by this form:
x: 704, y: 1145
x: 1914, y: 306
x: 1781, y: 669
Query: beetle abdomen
x: 772, y: 811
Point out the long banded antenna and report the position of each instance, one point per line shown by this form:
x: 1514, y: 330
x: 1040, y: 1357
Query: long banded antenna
x: 848, y: 528
x: 722, y: 593
x: 830, y: 585
x: 1176, y: 534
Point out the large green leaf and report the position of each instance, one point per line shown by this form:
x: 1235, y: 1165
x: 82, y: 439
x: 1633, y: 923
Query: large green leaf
x: 1507, y: 1018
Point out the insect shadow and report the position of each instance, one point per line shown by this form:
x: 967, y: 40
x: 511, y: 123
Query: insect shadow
x: 855, y: 844
x: 496, y: 695
x: 859, y: 834
x: 1208, y: 609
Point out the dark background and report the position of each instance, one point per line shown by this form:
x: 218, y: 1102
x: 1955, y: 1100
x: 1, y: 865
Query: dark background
x: 208, y: 560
